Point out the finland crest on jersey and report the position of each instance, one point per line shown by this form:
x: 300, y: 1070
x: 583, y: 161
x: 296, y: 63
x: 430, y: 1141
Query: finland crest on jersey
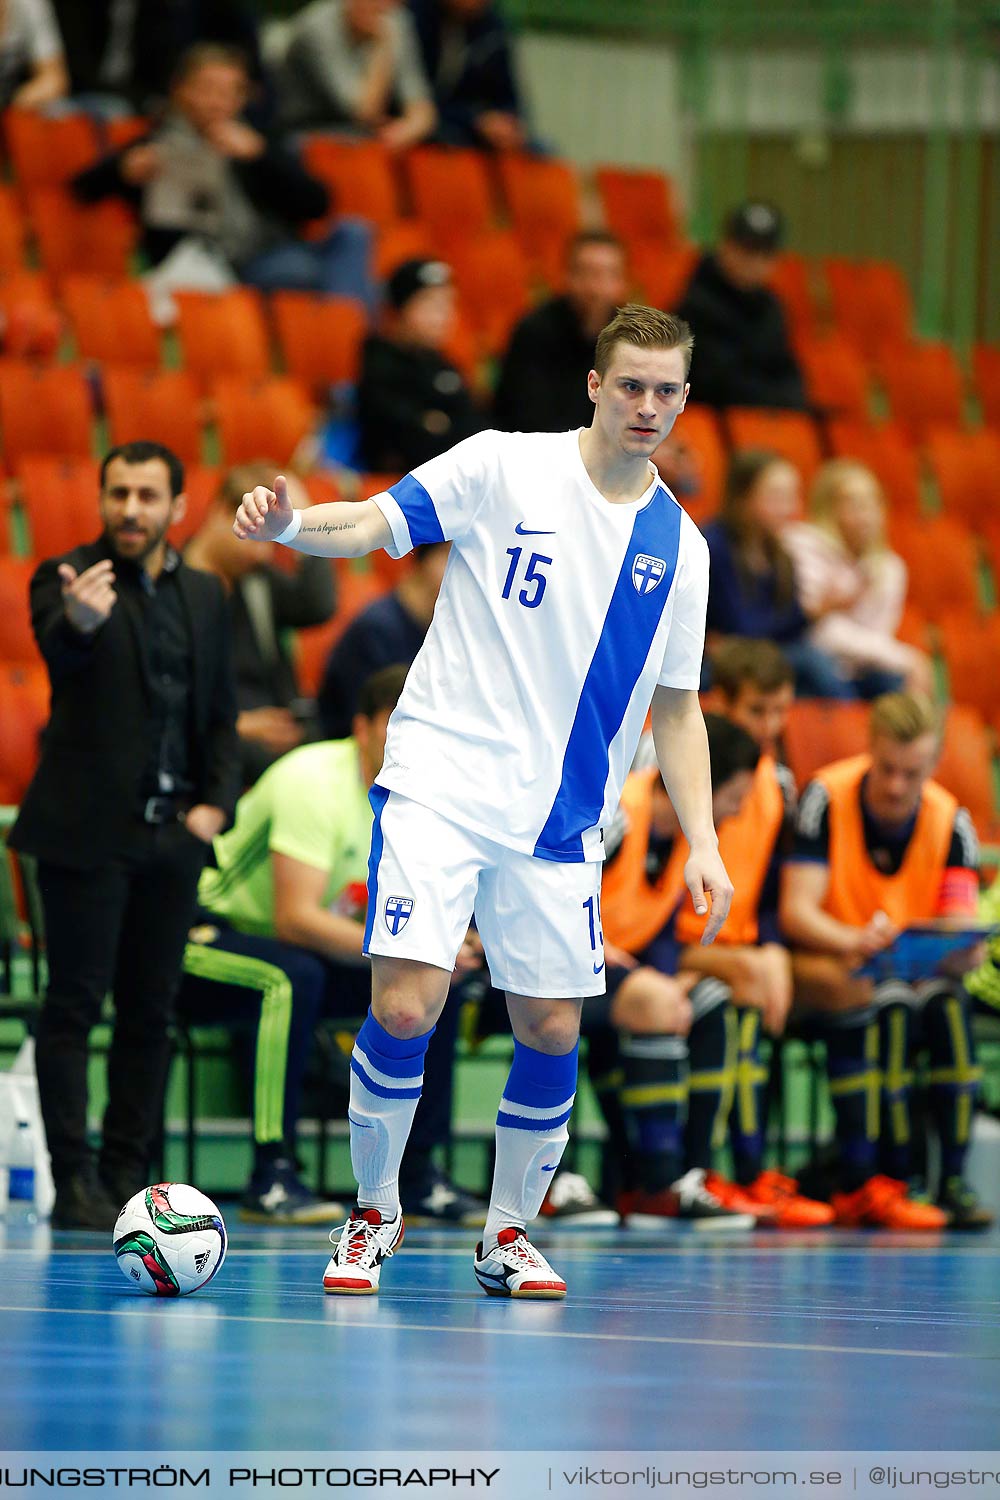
x: 559, y: 614
x: 647, y: 572
x: 397, y: 913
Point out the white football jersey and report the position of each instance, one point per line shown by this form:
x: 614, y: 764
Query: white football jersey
x: 559, y: 614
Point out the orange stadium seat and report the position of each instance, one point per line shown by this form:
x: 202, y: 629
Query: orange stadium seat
x: 44, y: 409
x: 912, y: 627
x: 122, y: 132
x: 223, y: 333
x: 408, y: 239
x: 792, y: 434
x: 543, y: 197
x: 792, y: 283
x: 320, y: 337
x: 822, y: 730
x: 836, y: 378
x: 46, y: 152
x: 924, y: 385
x: 355, y: 590
x: 33, y: 324
x: 262, y: 419
x: 12, y: 231
x: 359, y: 176
x: 986, y: 371
x: 698, y: 428
x: 966, y: 469
x: 639, y: 207
x: 24, y: 713
x: 162, y: 405
x: 59, y: 496
x: 17, y: 640
x: 662, y: 275
x: 966, y: 768
x: 201, y: 485
x: 943, y: 564
x: 110, y: 320
x: 888, y: 452
x: 450, y: 191
x: 970, y: 645
x: 491, y: 275
x: 97, y: 238
x: 870, y: 302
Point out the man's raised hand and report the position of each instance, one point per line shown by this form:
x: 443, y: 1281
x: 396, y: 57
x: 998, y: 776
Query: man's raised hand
x: 263, y: 514
x: 88, y: 597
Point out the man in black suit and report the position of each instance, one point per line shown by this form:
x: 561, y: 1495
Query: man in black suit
x: 138, y: 772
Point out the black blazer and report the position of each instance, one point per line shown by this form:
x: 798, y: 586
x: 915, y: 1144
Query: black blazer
x: 84, y: 803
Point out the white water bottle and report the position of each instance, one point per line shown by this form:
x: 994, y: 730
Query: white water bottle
x: 21, y: 1173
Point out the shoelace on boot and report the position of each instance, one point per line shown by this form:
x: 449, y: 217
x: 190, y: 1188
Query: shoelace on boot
x: 358, y: 1243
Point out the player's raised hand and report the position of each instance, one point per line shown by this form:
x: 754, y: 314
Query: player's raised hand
x: 263, y: 514
x: 88, y: 597
x: 711, y: 889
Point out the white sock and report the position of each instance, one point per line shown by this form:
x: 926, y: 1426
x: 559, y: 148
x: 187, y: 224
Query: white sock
x: 386, y: 1079
x: 531, y: 1136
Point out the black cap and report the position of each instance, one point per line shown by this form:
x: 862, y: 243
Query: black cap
x: 756, y: 226
x: 415, y: 276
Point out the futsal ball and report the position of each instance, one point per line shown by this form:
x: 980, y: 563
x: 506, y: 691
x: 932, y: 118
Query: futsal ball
x: 169, y: 1239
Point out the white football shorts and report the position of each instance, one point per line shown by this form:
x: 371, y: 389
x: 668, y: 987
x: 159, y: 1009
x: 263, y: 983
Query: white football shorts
x: 539, y: 922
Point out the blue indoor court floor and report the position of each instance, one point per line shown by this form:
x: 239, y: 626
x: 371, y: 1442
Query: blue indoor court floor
x: 803, y: 1342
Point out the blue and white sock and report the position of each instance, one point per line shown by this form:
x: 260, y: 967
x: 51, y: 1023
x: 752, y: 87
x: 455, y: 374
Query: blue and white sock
x: 531, y: 1135
x: 387, y: 1075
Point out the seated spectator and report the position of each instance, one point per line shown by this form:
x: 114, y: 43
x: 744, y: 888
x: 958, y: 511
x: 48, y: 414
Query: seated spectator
x: 742, y: 355
x: 127, y: 54
x: 33, y: 68
x: 282, y: 929
x: 412, y: 402
x: 851, y: 583
x: 881, y: 846
x: 543, y: 377
x: 392, y: 629
x: 466, y: 52
x: 218, y: 201
x: 675, y: 1092
x: 751, y: 591
x: 355, y: 65
x: 264, y: 601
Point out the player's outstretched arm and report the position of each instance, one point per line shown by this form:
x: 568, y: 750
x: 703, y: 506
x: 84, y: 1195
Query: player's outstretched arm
x: 343, y: 528
x: 682, y: 753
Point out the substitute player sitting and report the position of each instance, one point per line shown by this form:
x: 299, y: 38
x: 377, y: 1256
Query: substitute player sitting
x: 573, y: 599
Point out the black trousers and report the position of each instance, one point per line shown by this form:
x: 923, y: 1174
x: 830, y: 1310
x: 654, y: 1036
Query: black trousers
x: 119, y: 928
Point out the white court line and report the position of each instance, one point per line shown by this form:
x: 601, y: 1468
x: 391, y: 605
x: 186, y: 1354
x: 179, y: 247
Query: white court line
x: 528, y: 1333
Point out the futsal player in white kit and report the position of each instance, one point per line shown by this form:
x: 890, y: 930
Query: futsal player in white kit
x: 574, y: 598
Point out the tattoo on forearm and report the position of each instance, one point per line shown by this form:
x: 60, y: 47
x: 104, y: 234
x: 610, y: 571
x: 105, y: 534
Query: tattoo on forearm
x: 325, y: 528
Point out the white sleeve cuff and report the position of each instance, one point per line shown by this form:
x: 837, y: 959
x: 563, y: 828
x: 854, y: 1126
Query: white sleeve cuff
x: 292, y: 529
x: 401, y: 539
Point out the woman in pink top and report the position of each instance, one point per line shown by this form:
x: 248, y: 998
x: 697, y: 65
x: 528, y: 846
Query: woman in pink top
x: 852, y: 585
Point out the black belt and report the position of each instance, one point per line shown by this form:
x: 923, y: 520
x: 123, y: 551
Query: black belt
x: 164, y: 809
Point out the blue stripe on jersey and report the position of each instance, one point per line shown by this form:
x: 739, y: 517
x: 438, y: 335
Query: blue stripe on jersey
x: 626, y: 637
x: 418, y: 508
x: 378, y: 797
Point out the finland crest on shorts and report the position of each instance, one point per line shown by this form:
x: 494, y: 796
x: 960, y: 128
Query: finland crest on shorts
x: 647, y: 572
x: 397, y: 913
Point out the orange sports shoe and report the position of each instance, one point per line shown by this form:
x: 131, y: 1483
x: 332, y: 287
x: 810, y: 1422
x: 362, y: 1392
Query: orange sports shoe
x: 885, y: 1203
x: 790, y: 1210
x: 736, y: 1199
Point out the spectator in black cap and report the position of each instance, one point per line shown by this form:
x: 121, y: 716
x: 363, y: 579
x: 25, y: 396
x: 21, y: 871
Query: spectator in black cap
x: 742, y: 355
x: 412, y: 402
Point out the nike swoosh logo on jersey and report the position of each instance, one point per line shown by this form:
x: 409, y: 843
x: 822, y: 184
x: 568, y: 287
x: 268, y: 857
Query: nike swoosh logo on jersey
x: 552, y: 1168
x: 598, y: 968
x: 521, y: 530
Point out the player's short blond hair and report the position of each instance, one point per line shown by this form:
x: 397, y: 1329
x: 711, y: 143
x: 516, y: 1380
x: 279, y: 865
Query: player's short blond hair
x: 644, y: 328
x: 904, y: 717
